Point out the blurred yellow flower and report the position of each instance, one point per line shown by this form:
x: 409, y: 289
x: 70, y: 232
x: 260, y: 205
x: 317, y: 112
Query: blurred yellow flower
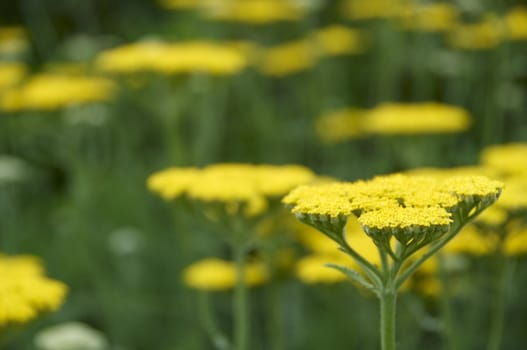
x: 49, y: 92
x: 509, y: 159
x: 340, y: 125
x: 430, y: 17
x: 25, y: 292
x: 241, y: 188
x: 13, y: 40
x: 369, y: 9
x: 288, y: 58
x: 514, y: 196
x: 516, y: 23
x: 516, y: 243
x: 338, y: 40
x: 173, y: 58
x: 483, y: 35
x: 216, y: 275
x: 416, y: 118
x: 11, y: 73
x: 254, y: 11
x: 312, y: 269
x: 472, y: 242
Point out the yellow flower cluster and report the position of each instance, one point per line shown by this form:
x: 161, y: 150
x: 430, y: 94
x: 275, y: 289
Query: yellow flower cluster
x: 242, y: 188
x: 417, y: 118
x: 509, y: 159
x: 392, y: 119
x: 340, y: 125
x: 254, y: 11
x: 173, y: 58
x: 216, y: 275
x: 11, y: 73
x: 483, y: 35
x: 49, y: 92
x: 395, y: 204
x: 25, y: 292
x: 516, y: 23
x: 430, y: 17
x: 300, y: 55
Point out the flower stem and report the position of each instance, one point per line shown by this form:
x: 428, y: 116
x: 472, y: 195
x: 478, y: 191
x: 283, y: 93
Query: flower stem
x: 219, y: 340
x: 504, y: 276
x: 388, y: 299
x: 241, y: 301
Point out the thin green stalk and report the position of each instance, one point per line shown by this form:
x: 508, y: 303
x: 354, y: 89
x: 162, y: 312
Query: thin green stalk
x: 241, y: 301
x: 205, y: 311
x: 446, y: 310
x: 388, y: 299
x: 433, y: 249
x: 504, y: 277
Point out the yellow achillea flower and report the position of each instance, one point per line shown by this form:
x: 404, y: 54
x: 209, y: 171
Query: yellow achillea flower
x: 472, y: 242
x: 417, y: 118
x: 25, y: 292
x: 338, y: 40
x: 509, y: 159
x: 369, y: 9
x: 254, y: 11
x: 173, y: 58
x: 431, y: 17
x: 516, y: 243
x: 514, y: 197
x: 312, y: 269
x: 241, y: 188
x: 50, y: 92
x: 13, y: 40
x: 483, y: 35
x: 398, y: 205
x: 216, y: 275
x: 11, y: 73
x: 516, y: 23
x: 340, y: 125
x: 288, y: 58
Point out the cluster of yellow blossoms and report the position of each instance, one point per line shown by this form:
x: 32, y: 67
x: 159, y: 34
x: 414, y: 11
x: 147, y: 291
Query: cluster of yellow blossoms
x: 392, y: 119
x: 54, y: 91
x: 173, y: 58
x: 240, y: 188
x: 244, y: 11
x: 25, y: 292
x: 415, y: 210
x: 214, y: 274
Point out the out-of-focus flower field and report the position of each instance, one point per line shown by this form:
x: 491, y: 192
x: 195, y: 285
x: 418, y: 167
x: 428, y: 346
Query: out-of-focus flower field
x: 146, y: 148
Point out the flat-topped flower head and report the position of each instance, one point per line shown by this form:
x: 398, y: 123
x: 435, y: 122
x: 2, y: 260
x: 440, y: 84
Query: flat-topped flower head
x: 55, y: 91
x: 514, y: 197
x: 25, y: 291
x: 417, y: 118
x: 516, y: 23
x: 172, y: 58
x: 509, y: 159
x: 254, y: 11
x: 410, y: 208
x: 213, y: 274
x: 340, y: 125
x: 238, y: 188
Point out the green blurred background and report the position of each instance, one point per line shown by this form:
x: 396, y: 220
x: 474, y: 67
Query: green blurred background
x: 75, y: 190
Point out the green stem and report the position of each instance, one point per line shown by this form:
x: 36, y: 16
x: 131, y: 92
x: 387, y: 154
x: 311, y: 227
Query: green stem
x: 388, y: 299
x: 373, y: 273
x: 241, y: 301
x: 433, y: 249
x: 504, y: 276
x: 447, y: 316
x: 205, y: 310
